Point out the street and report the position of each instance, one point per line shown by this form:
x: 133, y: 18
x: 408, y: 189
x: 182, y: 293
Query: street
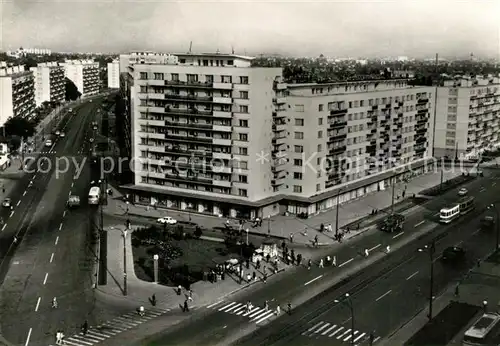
x: 223, y: 323
x: 52, y: 257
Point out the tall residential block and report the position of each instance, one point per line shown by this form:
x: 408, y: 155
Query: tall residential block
x: 85, y: 75
x: 49, y: 82
x: 114, y: 74
x: 17, y: 93
x: 212, y: 134
x: 467, y: 117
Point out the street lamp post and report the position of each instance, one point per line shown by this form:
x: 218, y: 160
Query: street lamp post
x: 337, y: 214
x: 431, y: 250
x: 247, y: 230
x: 268, y: 225
x: 497, y: 243
x: 347, y: 300
x: 124, y: 233
x: 155, y: 259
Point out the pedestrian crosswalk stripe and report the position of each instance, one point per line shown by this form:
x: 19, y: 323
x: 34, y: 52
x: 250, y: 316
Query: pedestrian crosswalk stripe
x: 335, y: 332
x: 359, y: 337
x: 255, y: 314
x: 329, y: 330
x: 263, y: 317
x: 111, y: 328
x: 312, y: 328
x: 343, y: 334
x: 323, y: 327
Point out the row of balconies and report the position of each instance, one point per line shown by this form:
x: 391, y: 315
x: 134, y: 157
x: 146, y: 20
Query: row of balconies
x: 190, y: 98
x: 190, y: 84
x: 187, y: 111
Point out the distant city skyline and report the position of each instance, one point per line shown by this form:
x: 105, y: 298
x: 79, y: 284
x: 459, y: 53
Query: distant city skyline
x: 339, y: 29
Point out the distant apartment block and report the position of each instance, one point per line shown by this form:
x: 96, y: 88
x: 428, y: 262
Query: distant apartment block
x: 114, y: 74
x: 85, y: 75
x: 17, y: 93
x: 211, y: 134
x: 29, y: 51
x: 49, y: 82
x: 467, y: 117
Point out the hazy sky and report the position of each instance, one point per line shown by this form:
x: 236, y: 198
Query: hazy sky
x: 335, y: 28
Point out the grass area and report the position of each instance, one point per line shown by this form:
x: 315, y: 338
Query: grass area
x: 182, y: 258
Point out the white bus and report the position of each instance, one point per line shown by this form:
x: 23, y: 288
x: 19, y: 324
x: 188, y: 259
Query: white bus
x: 447, y: 215
x: 94, y: 195
x: 484, y: 331
x: 466, y: 205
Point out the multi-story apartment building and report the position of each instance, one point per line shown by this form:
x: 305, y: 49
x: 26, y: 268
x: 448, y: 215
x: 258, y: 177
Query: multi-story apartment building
x: 211, y: 134
x: 346, y: 138
x: 29, y: 51
x: 17, y: 93
x: 85, y: 75
x: 114, y: 74
x: 49, y: 82
x: 467, y: 117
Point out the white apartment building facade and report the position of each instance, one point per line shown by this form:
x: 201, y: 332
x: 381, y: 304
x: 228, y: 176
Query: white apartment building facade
x: 49, y: 82
x: 210, y: 134
x: 468, y: 117
x: 17, y: 93
x: 114, y: 74
x: 85, y: 75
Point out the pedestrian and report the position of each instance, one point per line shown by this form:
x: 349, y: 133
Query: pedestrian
x: 309, y: 264
x: 254, y: 276
x: 186, y: 307
x: 153, y: 299
x: 249, y: 277
x: 179, y: 290
x: 264, y: 278
x: 54, y: 303
x: 321, y: 265
x: 278, y: 310
x: 316, y: 240
x: 258, y: 264
x: 283, y: 245
x: 334, y: 261
x: 268, y: 258
x: 366, y: 252
x: 266, y: 306
x: 457, y: 291
x: 289, y: 308
x: 190, y: 295
x: 291, y: 237
x: 58, y: 338
x: 85, y: 327
x: 388, y: 249
x: 322, y: 228
x: 299, y: 259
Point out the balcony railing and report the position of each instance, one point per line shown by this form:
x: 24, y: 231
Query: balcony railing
x: 188, y: 138
x: 182, y: 111
x: 196, y: 84
x: 190, y: 125
x: 189, y: 98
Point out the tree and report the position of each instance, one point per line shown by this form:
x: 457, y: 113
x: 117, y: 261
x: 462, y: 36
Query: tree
x: 72, y: 92
x: 17, y: 126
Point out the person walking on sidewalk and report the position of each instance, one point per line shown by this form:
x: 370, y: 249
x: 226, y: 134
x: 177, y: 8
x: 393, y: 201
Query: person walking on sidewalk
x: 309, y: 264
x: 321, y: 265
x: 291, y: 237
x: 316, y: 240
x: 185, y: 308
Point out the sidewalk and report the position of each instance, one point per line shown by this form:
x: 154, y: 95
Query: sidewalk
x: 481, y: 284
x: 282, y: 226
x: 139, y: 291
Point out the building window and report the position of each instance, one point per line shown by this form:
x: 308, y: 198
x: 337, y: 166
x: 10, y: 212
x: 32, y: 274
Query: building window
x: 144, y: 89
x: 318, y: 187
x: 192, y: 78
x: 243, y: 80
x: 243, y: 179
x: 242, y: 192
x: 320, y: 121
x: 319, y: 148
x: 299, y: 135
x: 299, y: 122
x: 297, y: 188
x: 362, y: 103
x: 209, y: 78
x: 370, y: 102
x: 299, y: 148
x: 175, y: 77
x: 144, y: 75
x: 243, y: 123
x: 158, y: 76
x: 242, y: 164
x: 297, y: 162
x: 450, y: 142
x: 244, y: 95
x: 243, y: 151
x: 243, y: 109
x: 299, y: 108
x: 243, y: 137
x: 451, y: 126
x: 297, y: 175
x: 226, y: 79
x: 320, y: 108
x: 320, y: 134
x: 450, y: 134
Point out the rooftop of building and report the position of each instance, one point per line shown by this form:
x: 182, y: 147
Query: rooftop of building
x: 466, y: 81
x: 194, y: 55
x: 341, y: 83
x: 13, y: 71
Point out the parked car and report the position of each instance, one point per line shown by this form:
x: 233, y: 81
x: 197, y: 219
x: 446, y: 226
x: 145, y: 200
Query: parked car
x: 167, y: 220
x: 73, y: 201
x: 7, y: 203
x: 453, y: 254
x: 487, y: 223
x: 462, y: 192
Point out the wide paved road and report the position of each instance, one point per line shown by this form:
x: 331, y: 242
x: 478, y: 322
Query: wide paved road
x: 52, y: 260
x: 224, y: 322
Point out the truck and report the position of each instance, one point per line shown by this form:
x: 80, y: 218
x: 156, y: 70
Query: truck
x: 73, y: 201
x: 392, y: 223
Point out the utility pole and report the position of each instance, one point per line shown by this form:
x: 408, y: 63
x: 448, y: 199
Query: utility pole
x: 337, y: 215
x: 393, y: 193
x: 442, y: 178
x: 432, y: 249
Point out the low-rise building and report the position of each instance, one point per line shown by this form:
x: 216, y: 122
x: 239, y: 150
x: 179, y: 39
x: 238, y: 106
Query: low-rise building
x: 467, y: 117
x: 114, y: 74
x: 17, y: 93
x: 49, y: 82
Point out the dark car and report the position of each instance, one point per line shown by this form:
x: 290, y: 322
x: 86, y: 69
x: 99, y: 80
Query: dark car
x: 487, y: 223
x: 453, y: 254
x: 392, y: 223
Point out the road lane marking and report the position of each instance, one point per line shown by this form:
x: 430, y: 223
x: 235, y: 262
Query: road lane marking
x: 316, y: 278
x: 312, y: 328
x: 57, y: 240
x: 397, y: 235
x: 51, y: 257
x: 11, y: 213
x: 4, y: 225
x: 459, y: 243
x: 383, y: 295
x: 321, y: 328
x: 412, y: 275
x: 421, y: 222
x: 64, y: 214
x: 45, y: 279
x: 24, y: 193
x: 376, y: 339
x: 436, y: 214
x: 214, y: 304
x: 329, y: 329
x: 373, y: 248
x: 346, y: 262
x: 344, y: 334
x: 18, y: 202
x: 60, y: 227
x: 359, y: 337
x: 69, y: 194
x: 31, y: 181
x: 28, y: 338
x: 335, y: 332
x: 38, y: 303
x: 72, y: 184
